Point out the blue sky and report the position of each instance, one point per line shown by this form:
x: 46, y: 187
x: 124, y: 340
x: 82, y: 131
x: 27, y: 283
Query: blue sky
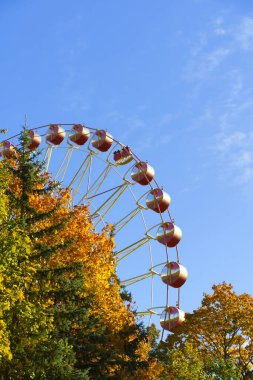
x: 172, y: 79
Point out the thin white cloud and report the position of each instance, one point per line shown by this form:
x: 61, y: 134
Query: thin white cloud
x: 214, y: 59
x: 241, y: 33
x: 138, y: 129
x: 235, y: 78
x: 233, y: 143
x: 236, y: 156
x: 131, y: 126
x: 243, y: 159
x: 205, y: 63
x: 218, y: 26
x: 165, y: 120
x: 245, y: 177
x: 230, y: 141
x: 199, y: 45
x: 229, y: 114
x: 113, y: 116
x: 245, y: 33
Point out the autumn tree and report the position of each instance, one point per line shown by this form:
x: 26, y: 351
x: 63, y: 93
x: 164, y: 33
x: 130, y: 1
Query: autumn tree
x: 114, y: 345
x: 219, y: 336
x: 67, y: 316
x: 35, y: 298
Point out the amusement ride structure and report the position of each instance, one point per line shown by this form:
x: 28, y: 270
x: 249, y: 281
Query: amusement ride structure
x: 119, y: 188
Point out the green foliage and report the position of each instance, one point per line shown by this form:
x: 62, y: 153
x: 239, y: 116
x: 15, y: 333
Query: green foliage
x: 221, y: 369
x: 183, y: 364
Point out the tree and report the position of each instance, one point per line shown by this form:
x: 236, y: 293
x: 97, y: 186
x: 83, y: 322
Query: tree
x: 220, y: 333
x: 182, y: 364
x: 113, y: 345
x: 31, y: 293
x: 68, y: 317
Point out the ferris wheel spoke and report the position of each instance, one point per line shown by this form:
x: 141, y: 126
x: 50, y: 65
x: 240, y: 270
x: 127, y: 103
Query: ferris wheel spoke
x: 143, y: 313
x: 150, y: 311
x: 89, y: 173
x: 64, y: 165
x: 105, y: 207
x: 80, y: 174
x: 131, y: 248
x: 134, y: 280
x: 47, y: 157
x: 159, y: 265
x: 125, y: 220
x: 105, y: 191
x: 96, y: 185
x: 98, y: 215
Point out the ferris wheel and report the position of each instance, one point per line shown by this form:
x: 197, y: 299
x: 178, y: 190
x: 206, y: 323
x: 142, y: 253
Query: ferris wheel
x: 119, y: 188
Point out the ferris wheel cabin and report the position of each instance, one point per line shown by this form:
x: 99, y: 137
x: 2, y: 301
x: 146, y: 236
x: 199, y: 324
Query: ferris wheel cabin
x: 102, y: 141
x: 79, y: 134
x: 123, y: 156
x: 142, y: 173
x: 171, y: 318
x: 55, y: 134
x: 174, y: 274
x: 34, y: 140
x: 169, y: 234
x: 7, y: 149
x: 158, y: 200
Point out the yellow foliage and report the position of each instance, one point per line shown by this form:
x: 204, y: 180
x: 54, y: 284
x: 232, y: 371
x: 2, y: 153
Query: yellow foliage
x: 221, y: 328
x: 5, y: 351
x: 94, y: 251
